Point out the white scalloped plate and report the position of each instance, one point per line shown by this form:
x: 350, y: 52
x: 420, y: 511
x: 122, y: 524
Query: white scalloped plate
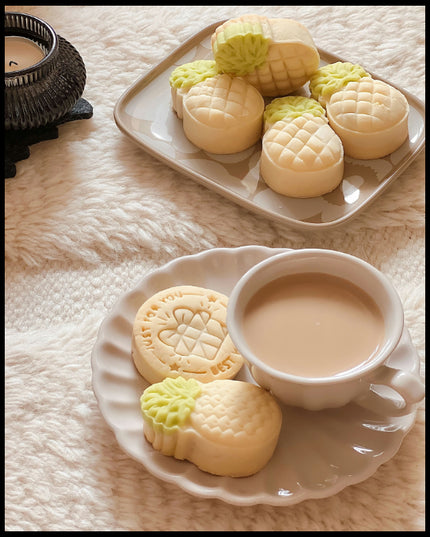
x: 318, y: 453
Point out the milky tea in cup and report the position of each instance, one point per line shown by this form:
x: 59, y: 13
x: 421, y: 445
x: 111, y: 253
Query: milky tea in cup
x: 316, y: 327
x: 313, y: 325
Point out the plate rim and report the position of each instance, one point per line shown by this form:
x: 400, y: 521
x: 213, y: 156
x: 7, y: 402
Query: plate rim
x: 197, y: 489
x: 146, y: 78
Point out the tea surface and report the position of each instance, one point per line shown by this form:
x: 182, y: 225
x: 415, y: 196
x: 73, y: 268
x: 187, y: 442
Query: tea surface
x: 313, y: 325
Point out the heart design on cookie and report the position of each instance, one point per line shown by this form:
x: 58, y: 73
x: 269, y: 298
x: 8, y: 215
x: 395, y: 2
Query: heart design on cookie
x: 182, y: 331
x: 194, y: 333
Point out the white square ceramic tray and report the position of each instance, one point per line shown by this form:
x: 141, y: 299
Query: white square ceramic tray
x: 144, y: 113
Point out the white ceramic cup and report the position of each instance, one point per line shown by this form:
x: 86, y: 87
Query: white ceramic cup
x: 331, y: 391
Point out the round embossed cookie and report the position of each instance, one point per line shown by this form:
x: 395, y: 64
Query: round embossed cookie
x: 182, y: 331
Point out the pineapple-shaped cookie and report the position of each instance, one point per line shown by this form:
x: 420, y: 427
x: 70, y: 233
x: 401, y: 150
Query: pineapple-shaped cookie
x: 301, y: 155
x: 277, y: 56
x: 369, y: 116
x: 187, y: 75
x: 225, y: 427
x: 223, y: 114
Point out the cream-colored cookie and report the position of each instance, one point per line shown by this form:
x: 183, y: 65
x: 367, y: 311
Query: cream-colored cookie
x: 182, y: 331
x: 187, y: 75
x: 370, y: 117
x: 277, y: 56
x: 225, y: 427
x: 302, y: 157
x: 223, y: 114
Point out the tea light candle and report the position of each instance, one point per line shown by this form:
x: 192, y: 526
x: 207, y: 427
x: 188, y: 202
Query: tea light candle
x: 20, y: 53
x: 44, y: 74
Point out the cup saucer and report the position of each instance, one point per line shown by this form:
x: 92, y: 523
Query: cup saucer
x: 319, y: 452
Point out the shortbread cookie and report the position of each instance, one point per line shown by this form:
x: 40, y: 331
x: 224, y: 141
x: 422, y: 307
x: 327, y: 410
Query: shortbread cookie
x: 182, y: 331
x: 187, y: 75
x: 225, y: 427
x: 277, y: 56
x: 369, y: 116
x: 290, y: 107
x: 302, y: 157
x: 223, y: 114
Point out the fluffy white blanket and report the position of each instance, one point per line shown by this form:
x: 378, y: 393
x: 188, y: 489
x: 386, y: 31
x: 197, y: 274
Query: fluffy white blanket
x: 90, y: 213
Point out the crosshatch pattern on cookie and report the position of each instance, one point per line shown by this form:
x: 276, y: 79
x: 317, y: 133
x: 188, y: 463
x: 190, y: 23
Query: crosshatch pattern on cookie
x: 250, y: 418
x: 221, y: 100
x: 367, y: 105
x: 306, y: 141
x: 287, y: 68
x: 224, y: 427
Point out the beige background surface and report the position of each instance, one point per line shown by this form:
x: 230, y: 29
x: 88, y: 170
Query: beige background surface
x: 89, y: 214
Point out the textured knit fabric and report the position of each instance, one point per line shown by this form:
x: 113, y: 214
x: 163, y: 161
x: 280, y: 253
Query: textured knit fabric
x: 90, y: 213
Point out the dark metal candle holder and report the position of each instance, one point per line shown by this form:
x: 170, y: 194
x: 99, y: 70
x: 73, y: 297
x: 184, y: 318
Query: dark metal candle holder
x: 44, y: 95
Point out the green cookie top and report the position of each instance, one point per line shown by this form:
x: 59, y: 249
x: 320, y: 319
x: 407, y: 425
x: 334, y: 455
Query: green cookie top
x: 333, y: 77
x: 291, y: 107
x: 192, y: 73
x: 240, y: 47
x: 167, y: 404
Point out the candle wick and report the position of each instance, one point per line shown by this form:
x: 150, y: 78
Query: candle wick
x: 11, y: 62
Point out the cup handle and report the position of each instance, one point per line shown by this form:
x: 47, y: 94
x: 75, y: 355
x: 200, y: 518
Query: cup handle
x: 407, y: 384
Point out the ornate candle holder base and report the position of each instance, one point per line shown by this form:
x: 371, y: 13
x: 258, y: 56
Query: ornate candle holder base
x: 17, y: 142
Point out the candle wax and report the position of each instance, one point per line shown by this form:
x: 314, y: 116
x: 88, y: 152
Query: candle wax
x: 20, y: 53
